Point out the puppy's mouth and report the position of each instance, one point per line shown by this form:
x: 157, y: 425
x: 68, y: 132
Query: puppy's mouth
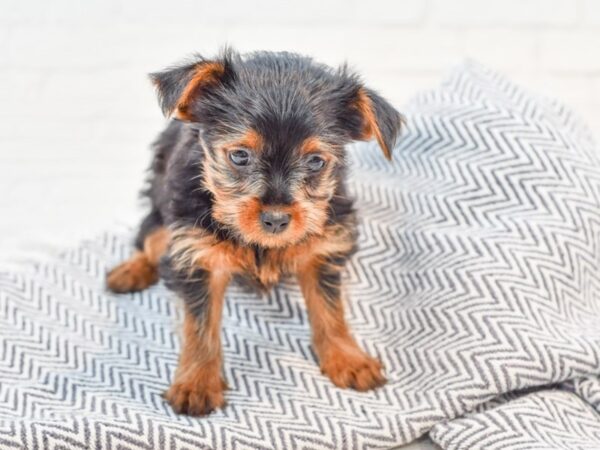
x: 272, y: 225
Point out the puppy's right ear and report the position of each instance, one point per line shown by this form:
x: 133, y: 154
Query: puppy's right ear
x: 179, y: 86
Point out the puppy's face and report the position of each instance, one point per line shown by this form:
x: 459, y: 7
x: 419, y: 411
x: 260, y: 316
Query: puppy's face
x: 273, y: 128
x: 271, y: 193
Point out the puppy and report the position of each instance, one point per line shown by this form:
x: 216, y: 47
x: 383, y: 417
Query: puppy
x: 247, y: 182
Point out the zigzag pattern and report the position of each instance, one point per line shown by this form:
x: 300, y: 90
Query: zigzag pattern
x: 477, y: 275
x: 541, y: 421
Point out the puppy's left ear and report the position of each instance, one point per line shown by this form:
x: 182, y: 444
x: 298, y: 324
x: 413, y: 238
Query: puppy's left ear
x: 378, y: 120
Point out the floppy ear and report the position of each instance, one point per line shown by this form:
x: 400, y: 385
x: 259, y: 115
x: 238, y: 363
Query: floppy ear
x: 379, y: 120
x: 179, y: 86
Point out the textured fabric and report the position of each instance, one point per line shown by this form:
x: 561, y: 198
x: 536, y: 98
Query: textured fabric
x: 541, y: 421
x: 477, y: 276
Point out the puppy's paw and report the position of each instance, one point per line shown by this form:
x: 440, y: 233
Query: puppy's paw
x: 133, y: 275
x: 196, y: 399
x: 353, y: 369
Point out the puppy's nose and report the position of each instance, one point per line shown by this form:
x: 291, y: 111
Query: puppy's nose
x: 274, y: 222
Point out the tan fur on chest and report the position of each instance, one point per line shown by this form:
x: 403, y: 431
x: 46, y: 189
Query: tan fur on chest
x: 193, y: 248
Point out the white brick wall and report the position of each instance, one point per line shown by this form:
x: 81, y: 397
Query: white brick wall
x: 78, y: 113
x: 505, y: 13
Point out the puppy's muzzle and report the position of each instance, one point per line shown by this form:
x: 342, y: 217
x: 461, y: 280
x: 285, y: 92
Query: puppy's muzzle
x: 274, y: 222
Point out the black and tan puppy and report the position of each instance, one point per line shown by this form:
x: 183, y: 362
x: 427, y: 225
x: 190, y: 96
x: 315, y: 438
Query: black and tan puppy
x: 248, y: 182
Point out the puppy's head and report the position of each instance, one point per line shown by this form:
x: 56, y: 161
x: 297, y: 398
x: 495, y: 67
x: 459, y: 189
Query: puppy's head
x: 273, y: 127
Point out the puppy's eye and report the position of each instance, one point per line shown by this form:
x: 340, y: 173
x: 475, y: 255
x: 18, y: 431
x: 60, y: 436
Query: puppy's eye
x: 240, y: 157
x: 315, y: 163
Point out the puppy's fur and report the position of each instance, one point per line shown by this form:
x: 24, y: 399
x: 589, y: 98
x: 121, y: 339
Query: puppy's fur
x: 248, y: 182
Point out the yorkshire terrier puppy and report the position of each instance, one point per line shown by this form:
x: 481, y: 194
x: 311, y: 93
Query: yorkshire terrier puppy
x: 247, y: 182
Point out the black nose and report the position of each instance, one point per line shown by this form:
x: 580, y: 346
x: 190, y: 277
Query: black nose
x: 274, y: 222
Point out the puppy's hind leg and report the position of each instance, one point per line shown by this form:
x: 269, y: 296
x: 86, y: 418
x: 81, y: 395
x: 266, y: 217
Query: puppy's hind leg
x: 141, y: 270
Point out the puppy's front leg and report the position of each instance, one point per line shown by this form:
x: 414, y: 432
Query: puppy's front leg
x: 198, y: 385
x: 340, y: 357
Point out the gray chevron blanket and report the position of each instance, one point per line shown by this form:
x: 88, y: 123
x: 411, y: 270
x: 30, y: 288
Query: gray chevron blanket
x: 477, y: 282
